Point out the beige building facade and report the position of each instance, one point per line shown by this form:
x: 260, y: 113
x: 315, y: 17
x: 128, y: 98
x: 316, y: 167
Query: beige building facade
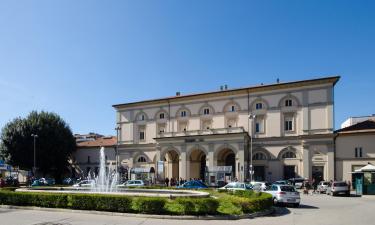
x: 355, y: 148
x: 209, y: 135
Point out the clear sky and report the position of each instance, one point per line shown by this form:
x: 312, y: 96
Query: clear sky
x: 78, y: 58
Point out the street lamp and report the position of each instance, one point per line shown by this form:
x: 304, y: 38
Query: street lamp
x: 35, y: 136
x: 252, y: 118
x: 118, y: 128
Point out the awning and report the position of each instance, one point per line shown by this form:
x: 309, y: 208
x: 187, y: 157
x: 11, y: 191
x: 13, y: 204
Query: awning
x: 142, y: 170
x: 367, y: 168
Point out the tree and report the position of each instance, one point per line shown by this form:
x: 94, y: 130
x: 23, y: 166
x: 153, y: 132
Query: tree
x: 54, y: 145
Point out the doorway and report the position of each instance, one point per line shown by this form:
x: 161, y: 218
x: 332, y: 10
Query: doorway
x: 289, y: 172
x: 318, y: 173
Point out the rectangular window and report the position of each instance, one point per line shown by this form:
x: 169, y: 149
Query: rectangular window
x: 141, y: 135
x: 206, y: 111
x: 183, y: 113
x: 161, y: 115
x: 233, y: 108
x: 288, y: 124
x: 258, y: 106
x: 358, y: 152
x: 288, y: 102
x: 257, y: 127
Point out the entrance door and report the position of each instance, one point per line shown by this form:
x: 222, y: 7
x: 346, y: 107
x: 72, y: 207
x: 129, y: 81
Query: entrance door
x: 317, y: 173
x: 259, y: 173
x: 289, y: 172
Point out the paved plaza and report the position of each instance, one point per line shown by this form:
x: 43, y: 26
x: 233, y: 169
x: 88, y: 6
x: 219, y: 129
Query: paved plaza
x: 316, y: 209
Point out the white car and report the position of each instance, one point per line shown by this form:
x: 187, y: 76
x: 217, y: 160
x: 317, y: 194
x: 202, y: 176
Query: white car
x: 284, y: 194
x: 236, y: 186
x: 132, y: 183
x: 259, y: 186
x: 323, y: 186
x: 338, y: 188
x: 85, y: 183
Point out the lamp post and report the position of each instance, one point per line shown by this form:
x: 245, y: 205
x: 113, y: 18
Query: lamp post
x: 118, y: 128
x: 252, y: 118
x: 35, y: 136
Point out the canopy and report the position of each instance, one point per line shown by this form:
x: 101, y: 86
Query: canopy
x: 367, y: 168
x: 142, y: 170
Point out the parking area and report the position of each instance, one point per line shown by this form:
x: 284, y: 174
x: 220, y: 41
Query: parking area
x: 314, y: 209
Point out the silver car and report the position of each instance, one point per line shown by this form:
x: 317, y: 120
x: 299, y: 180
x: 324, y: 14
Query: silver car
x: 338, y: 188
x: 284, y: 194
x: 323, y: 186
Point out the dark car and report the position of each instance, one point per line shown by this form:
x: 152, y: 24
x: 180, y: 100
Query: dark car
x: 195, y: 184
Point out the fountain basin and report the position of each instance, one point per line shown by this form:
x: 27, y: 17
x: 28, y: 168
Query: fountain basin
x: 168, y: 193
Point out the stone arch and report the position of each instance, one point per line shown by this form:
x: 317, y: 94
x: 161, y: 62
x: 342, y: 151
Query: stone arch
x: 206, y: 105
x: 183, y: 108
x: 257, y: 100
x: 197, y: 157
x: 138, y: 116
x: 227, y: 155
x: 156, y: 116
x: 137, y: 155
x: 230, y: 103
x: 289, y: 149
x: 294, y: 99
x: 223, y: 147
x: 171, y: 158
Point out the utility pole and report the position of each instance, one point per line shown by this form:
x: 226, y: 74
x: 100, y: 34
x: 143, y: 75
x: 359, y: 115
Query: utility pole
x: 35, y: 136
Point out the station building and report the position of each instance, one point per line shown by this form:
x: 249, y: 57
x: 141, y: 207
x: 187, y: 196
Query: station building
x: 283, y: 130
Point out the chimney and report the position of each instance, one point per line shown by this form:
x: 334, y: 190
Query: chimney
x: 226, y: 87
x: 178, y: 93
x: 221, y: 88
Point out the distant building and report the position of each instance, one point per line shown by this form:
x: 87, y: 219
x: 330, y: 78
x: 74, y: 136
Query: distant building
x: 354, y: 120
x: 355, y: 148
x: 86, y: 158
x: 87, y: 137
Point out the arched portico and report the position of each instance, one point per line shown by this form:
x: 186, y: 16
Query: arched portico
x: 171, y: 160
x: 197, y: 163
x: 227, y: 157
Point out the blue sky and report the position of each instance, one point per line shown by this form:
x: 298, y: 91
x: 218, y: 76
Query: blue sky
x: 77, y: 58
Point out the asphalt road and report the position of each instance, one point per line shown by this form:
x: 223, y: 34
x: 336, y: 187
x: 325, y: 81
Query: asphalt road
x: 316, y: 209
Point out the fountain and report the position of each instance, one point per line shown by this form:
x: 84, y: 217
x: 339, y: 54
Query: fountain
x: 106, y: 183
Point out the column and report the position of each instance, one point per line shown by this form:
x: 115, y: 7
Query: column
x: 182, y: 163
x: 306, y: 161
x: 330, y: 162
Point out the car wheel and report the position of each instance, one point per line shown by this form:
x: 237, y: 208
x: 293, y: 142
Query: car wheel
x: 275, y: 202
x: 332, y: 193
x: 295, y: 205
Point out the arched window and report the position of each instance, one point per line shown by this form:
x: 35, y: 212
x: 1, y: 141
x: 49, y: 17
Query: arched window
x: 289, y: 155
x: 142, y: 159
x: 259, y: 156
x: 206, y: 111
x: 288, y: 102
x: 259, y: 105
x: 183, y: 113
x: 161, y: 116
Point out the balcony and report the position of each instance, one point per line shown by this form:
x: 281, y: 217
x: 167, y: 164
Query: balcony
x: 232, y: 130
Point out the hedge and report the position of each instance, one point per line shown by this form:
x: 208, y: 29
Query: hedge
x: 231, y: 203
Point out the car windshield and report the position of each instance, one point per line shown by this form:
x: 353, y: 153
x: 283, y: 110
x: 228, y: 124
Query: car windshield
x: 287, y: 188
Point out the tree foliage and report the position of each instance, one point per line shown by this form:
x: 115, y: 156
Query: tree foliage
x: 54, y: 145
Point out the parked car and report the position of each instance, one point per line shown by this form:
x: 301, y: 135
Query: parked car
x: 41, y: 182
x: 69, y: 181
x: 297, y: 182
x: 237, y: 186
x: 195, y: 184
x: 132, y: 183
x: 338, y: 188
x: 259, y: 185
x: 281, y: 182
x: 323, y: 186
x: 284, y: 194
x: 85, y: 183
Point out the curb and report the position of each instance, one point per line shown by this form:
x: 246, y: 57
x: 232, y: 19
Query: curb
x: 178, y: 217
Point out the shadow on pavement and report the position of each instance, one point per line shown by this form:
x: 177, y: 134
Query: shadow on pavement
x: 302, y: 206
x: 280, y: 211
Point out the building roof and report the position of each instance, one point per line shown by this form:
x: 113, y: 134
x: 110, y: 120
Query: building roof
x: 365, y: 126
x: 99, y: 142
x: 280, y: 85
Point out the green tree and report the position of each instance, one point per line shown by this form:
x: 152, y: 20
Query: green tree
x: 54, y: 145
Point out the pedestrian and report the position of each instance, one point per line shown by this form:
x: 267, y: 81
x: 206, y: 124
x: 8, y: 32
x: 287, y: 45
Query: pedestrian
x: 166, y: 181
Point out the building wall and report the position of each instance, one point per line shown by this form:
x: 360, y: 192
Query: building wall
x: 311, y: 113
x: 345, y: 153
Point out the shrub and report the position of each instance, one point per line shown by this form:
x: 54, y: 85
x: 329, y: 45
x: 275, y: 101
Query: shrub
x: 33, y: 199
x: 150, y: 205
x: 98, y: 202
